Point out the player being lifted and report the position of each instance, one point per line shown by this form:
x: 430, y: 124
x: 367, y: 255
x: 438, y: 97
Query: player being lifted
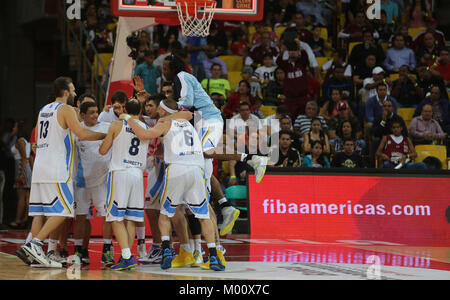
x: 184, y: 179
x: 190, y: 95
x: 51, y: 193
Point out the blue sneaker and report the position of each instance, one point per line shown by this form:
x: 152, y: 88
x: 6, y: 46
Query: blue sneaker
x: 167, y: 258
x: 125, y: 264
x: 107, y: 258
x: 215, y: 264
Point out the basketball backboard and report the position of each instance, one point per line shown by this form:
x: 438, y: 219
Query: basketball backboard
x: 231, y: 10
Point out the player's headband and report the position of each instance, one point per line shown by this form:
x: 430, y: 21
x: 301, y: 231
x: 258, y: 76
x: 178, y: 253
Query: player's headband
x: 171, y: 111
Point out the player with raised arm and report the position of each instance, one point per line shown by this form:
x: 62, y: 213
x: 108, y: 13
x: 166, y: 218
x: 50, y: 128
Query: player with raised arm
x: 51, y: 193
x: 184, y: 181
x: 190, y: 95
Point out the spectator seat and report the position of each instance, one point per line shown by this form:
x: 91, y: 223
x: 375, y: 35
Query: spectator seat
x: 239, y: 194
x: 439, y: 151
x: 351, y: 45
x: 234, y: 63
x: 268, y: 110
x: 279, y: 30
x: 413, y: 32
x: 407, y: 114
x: 233, y: 78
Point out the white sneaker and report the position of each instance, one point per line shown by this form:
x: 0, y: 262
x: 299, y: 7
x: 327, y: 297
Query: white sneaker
x: 35, y: 251
x: 230, y: 215
x: 142, y: 252
x: 49, y: 264
x: 259, y: 164
x: 54, y: 256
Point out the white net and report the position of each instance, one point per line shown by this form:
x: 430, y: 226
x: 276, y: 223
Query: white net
x: 193, y: 21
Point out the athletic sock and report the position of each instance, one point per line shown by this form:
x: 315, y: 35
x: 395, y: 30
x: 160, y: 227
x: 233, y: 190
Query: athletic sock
x: 107, y: 245
x: 186, y: 247
x: 165, y: 242
x: 192, y: 244
x: 198, y: 245
x: 126, y: 253
x: 212, y: 249
x: 224, y: 203
x: 29, y: 237
x: 52, y: 245
x: 140, y: 233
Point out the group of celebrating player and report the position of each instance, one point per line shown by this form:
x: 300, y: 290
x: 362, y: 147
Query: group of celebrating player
x: 154, y: 135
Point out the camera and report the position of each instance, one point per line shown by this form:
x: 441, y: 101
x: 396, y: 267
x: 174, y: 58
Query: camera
x: 133, y: 42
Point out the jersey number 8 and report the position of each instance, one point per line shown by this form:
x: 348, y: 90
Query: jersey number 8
x: 134, y: 149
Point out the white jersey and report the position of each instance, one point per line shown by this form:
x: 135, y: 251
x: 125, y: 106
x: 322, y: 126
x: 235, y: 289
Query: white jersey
x: 108, y: 116
x: 92, y: 167
x: 128, y: 151
x: 152, y: 145
x: 182, y: 145
x: 265, y: 73
x: 54, y: 149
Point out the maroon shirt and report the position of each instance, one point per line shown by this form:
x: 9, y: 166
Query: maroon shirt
x: 257, y: 53
x: 296, y: 80
x: 304, y: 34
x: 354, y: 28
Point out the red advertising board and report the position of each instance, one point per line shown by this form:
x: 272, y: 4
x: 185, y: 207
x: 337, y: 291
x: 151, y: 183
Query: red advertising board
x: 402, y: 209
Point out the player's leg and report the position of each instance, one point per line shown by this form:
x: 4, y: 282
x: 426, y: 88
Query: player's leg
x: 196, y: 198
x: 195, y: 239
x: 99, y: 195
x: 120, y: 190
x: 140, y: 236
x: 165, y: 228
x: 52, y: 250
x: 229, y: 213
x: 83, y: 201
x: 208, y: 232
x: 108, y: 249
x: 86, y: 239
x: 185, y: 256
x: 63, y: 236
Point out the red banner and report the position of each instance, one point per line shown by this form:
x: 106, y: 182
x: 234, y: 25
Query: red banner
x: 408, y: 210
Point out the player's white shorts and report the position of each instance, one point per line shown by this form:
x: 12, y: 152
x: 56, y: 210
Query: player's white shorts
x: 155, y: 179
x: 52, y: 199
x: 210, y: 133
x: 84, y: 197
x: 184, y: 185
x: 125, y: 195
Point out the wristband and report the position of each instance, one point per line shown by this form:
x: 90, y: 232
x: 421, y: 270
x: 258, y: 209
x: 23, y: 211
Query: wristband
x: 416, y: 84
x: 232, y: 177
x: 383, y: 122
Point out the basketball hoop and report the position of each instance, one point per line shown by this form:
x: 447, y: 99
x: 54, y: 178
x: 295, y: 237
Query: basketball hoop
x: 195, y: 16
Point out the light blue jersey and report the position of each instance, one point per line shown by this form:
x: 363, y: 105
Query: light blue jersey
x: 190, y: 94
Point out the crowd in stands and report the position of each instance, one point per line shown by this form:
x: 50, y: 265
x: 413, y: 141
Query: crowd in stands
x: 337, y: 77
x: 338, y: 82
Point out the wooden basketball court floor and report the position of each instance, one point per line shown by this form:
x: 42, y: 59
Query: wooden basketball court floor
x: 259, y: 259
